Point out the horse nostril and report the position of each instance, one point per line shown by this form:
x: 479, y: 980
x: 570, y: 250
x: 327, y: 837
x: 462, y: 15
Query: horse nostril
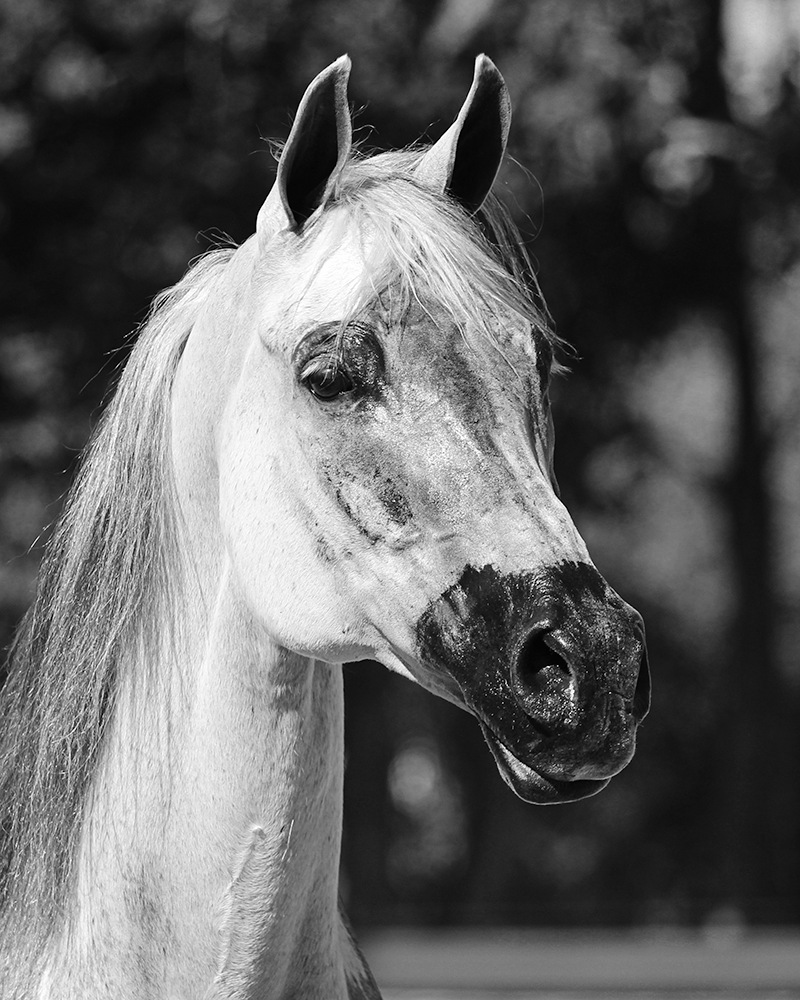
x: 536, y: 661
x: 544, y: 683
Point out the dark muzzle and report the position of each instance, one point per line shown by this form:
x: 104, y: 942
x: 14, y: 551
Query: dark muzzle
x: 553, y: 665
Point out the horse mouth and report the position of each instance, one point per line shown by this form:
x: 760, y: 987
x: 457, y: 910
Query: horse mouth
x: 533, y: 784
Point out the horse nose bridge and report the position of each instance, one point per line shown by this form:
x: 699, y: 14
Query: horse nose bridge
x: 530, y: 527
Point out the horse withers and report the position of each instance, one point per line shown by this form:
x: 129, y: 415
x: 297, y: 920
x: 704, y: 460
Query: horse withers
x: 332, y: 443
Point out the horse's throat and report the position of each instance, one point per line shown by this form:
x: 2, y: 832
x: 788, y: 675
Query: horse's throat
x: 281, y: 750
x: 235, y: 833
x: 268, y: 929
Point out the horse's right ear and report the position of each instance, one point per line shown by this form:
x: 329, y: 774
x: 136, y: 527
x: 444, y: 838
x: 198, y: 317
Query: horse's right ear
x: 314, y: 155
x: 464, y: 162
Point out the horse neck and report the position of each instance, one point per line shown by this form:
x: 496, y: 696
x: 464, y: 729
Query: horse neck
x: 209, y: 864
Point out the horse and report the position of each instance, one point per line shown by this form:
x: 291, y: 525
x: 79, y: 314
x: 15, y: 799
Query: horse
x: 331, y: 443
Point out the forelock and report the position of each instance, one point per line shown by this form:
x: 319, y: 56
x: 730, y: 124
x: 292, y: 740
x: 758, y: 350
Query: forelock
x: 425, y: 247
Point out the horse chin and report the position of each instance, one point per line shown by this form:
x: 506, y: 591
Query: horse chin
x: 533, y: 784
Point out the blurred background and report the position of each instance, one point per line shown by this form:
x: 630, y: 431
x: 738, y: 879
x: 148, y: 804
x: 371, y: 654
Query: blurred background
x: 655, y: 169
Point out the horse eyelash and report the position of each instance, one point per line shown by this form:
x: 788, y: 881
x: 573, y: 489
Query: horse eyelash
x: 325, y: 363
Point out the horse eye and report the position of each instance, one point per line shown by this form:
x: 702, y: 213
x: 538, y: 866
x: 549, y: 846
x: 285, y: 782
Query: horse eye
x: 327, y: 384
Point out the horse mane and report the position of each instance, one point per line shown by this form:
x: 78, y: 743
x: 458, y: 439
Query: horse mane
x: 107, y: 585
x: 475, y: 266
x: 105, y: 582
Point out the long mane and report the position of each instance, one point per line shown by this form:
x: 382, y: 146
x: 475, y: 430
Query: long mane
x: 108, y: 581
x: 105, y: 580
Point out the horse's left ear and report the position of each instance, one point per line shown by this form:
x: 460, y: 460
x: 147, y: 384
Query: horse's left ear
x: 315, y: 152
x: 465, y: 161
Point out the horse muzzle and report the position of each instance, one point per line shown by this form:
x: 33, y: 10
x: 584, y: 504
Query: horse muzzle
x: 553, y: 665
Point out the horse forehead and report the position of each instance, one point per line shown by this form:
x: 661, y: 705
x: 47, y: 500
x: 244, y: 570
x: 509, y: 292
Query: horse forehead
x: 322, y: 282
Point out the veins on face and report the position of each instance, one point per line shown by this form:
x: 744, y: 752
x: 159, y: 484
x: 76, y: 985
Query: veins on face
x: 392, y: 502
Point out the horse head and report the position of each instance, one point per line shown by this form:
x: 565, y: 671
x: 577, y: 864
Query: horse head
x: 380, y: 445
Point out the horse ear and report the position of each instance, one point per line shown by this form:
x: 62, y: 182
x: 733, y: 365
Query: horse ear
x: 465, y: 161
x: 315, y: 152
